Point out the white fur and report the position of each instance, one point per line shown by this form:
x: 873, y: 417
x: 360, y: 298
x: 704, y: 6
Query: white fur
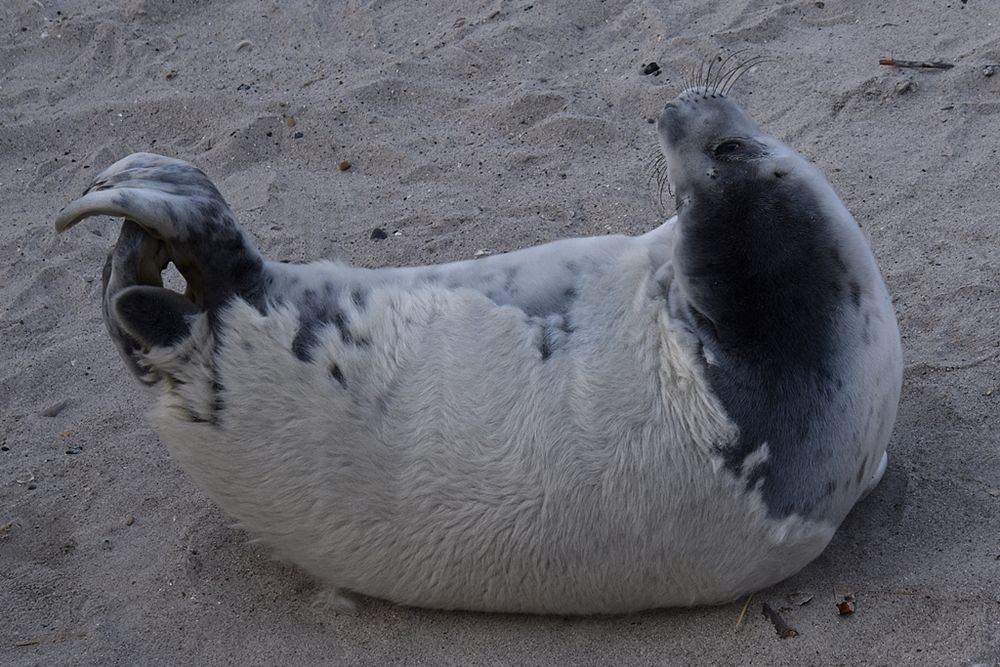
x: 454, y: 469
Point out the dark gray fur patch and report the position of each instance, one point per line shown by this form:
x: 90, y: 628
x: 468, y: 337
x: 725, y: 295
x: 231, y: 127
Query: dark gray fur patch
x: 315, y: 314
x: 218, y: 403
x: 765, y: 308
x: 554, y: 334
x: 338, y: 375
x: 359, y: 298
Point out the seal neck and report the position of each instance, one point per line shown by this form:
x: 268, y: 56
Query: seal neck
x: 761, y: 272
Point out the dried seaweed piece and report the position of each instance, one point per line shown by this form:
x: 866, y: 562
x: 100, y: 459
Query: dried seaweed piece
x: 846, y: 606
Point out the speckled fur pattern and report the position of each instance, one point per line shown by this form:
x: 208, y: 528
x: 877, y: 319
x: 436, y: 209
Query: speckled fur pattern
x: 531, y: 432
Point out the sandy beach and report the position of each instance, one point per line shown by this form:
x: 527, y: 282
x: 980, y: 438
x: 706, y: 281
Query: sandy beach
x: 469, y: 128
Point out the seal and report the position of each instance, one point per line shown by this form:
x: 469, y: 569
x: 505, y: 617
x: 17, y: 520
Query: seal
x: 595, y: 425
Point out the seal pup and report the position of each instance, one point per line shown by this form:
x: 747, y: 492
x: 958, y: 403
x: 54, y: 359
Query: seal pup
x: 595, y: 425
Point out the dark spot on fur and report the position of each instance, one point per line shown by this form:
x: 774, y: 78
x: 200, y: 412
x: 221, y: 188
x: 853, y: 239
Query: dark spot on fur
x: 340, y: 321
x: 218, y: 404
x: 359, y: 298
x: 830, y: 487
x: 314, y: 314
x: 553, y: 335
x: 304, y: 341
x: 855, y: 294
x: 338, y: 375
x: 544, y: 348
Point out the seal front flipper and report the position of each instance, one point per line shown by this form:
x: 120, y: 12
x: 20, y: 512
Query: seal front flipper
x: 173, y: 213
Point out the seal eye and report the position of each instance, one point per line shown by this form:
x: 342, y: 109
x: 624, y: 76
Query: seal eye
x: 728, y: 147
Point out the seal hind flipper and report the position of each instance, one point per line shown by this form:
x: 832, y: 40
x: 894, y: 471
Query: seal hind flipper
x: 154, y: 316
x: 173, y: 214
x: 175, y: 202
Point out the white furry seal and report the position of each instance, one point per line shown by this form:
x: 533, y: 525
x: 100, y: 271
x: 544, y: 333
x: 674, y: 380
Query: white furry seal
x: 596, y: 425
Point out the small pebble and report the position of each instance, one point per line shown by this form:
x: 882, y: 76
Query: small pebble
x: 243, y: 86
x: 343, y: 165
x: 480, y: 253
x: 651, y: 68
x: 989, y: 70
x: 73, y: 450
x: 246, y: 43
x: 129, y: 520
x: 298, y: 135
x: 378, y: 234
x: 906, y: 86
x: 55, y: 408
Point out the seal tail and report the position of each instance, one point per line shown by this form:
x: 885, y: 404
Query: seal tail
x: 173, y: 213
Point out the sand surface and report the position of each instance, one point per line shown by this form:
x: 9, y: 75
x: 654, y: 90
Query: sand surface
x: 477, y: 126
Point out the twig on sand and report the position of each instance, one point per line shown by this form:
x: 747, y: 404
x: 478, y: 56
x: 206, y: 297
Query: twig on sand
x: 783, y: 629
x: 925, y: 64
x: 743, y: 612
x: 62, y: 636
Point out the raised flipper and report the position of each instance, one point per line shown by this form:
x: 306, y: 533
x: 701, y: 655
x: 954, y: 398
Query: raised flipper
x: 173, y: 213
